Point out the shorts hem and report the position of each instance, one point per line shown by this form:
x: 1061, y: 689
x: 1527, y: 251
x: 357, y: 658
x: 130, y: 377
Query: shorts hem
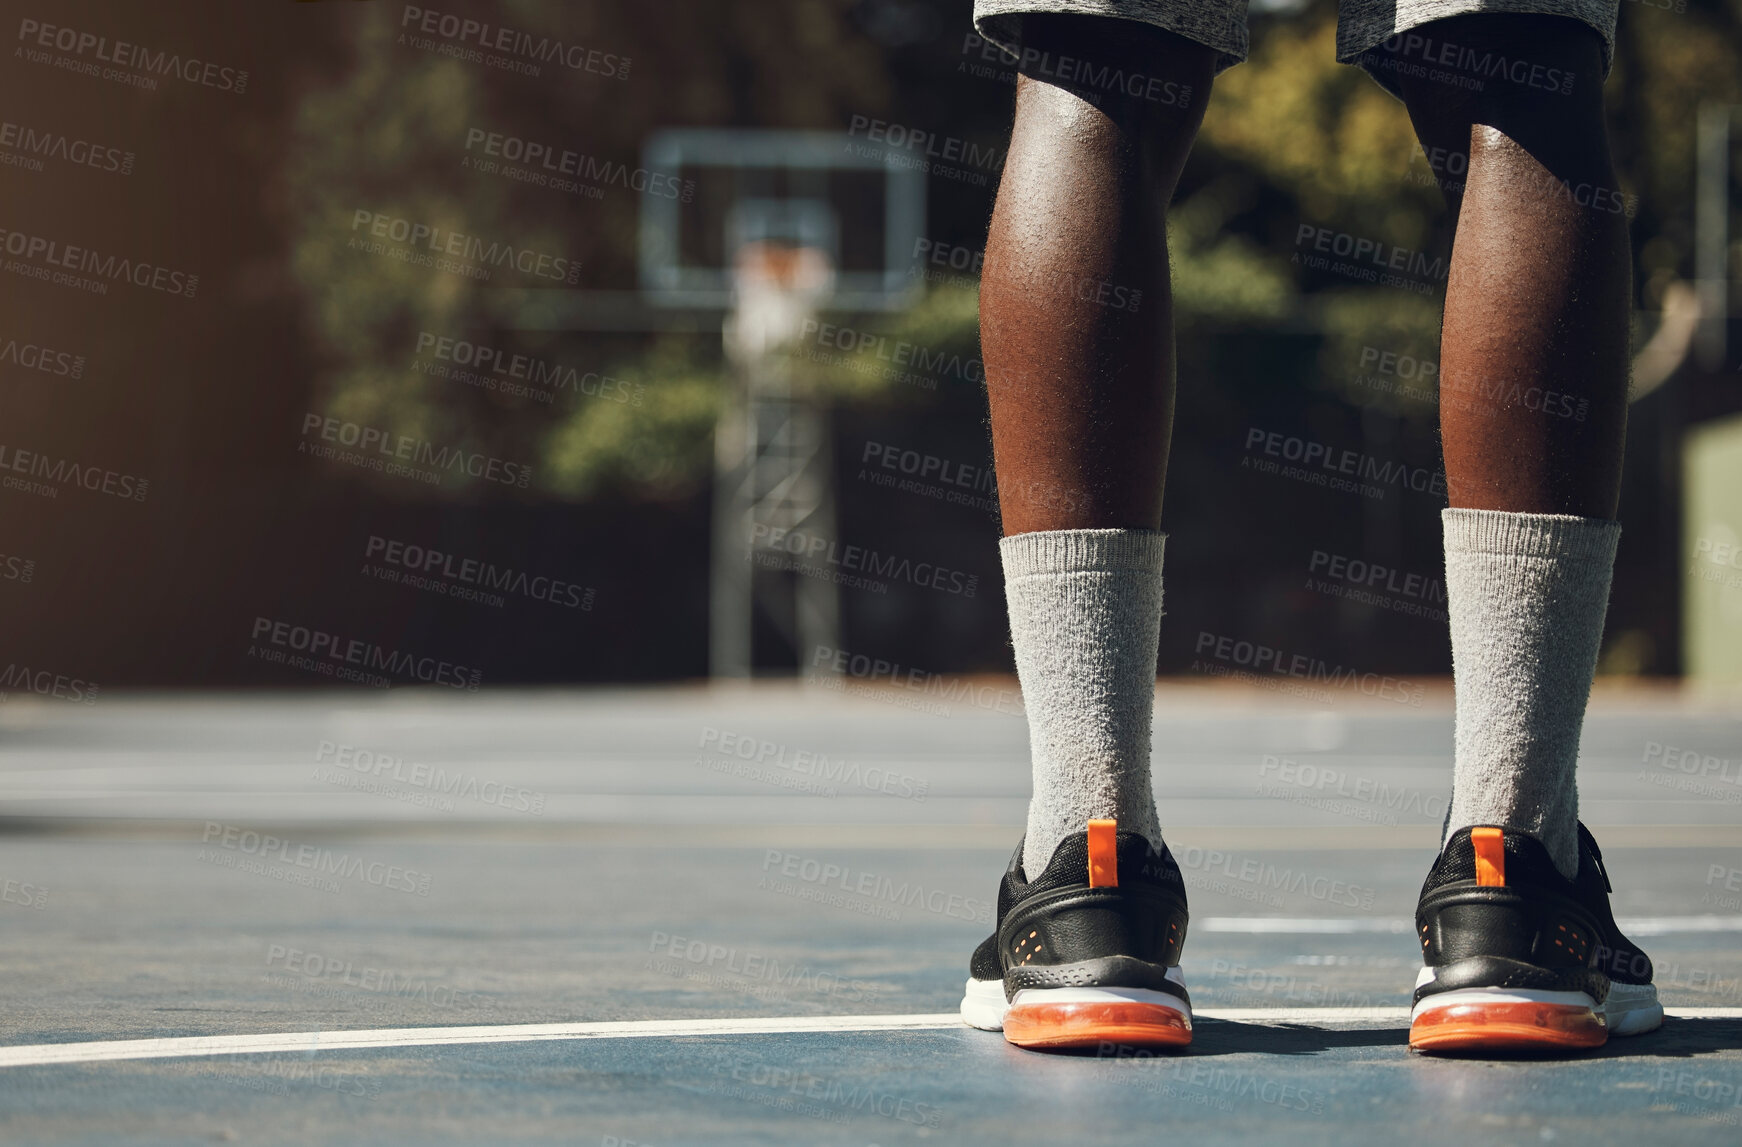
x: 1358, y: 34
x: 1224, y: 31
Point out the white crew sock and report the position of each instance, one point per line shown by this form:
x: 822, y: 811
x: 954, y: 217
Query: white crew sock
x: 1085, y: 618
x: 1527, y: 594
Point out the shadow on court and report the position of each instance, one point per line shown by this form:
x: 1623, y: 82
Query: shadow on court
x: 1678, y: 1038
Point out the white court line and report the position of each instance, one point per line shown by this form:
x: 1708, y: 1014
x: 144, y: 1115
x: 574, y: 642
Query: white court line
x: 1297, y: 925
x: 1318, y: 1016
x: 1664, y: 925
x: 1350, y: 925
x: 426, y: 1037
x: 184, y: 1046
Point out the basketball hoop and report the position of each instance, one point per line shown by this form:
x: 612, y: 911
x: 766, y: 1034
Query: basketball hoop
x: 776, y: 288
x: 752, y: 187
x: 778, y: 227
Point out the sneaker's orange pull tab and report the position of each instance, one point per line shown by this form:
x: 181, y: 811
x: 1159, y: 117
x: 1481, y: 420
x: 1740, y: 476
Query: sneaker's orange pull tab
x: 1490, y: 856
x: 1103, y: 854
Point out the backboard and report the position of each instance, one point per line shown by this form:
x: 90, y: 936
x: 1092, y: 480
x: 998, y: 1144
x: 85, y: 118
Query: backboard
x: 819, y: 190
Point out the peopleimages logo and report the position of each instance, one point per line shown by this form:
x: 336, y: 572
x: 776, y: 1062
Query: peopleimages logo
x: 266, y: 848
x: 430, y: 778
x: 46, y: 683
x: 34, y: 144
x: 35, y: 356
x: 807, y: 762
x: 460, y: 31
x: 1361, y: 249
x: 788, y: 1089
x: 1443, y: 54
x: 1073, y: 72
x: 898, y: 352
x: 1316, y: 457
x: 471, y: 248
x: 748, y: 965
x: 315, y: 970
x: 929, y: 144
x: 24, y: 894
x: 850, y: 672
x: 1325, y: 782
x: 1258, y: 658
x: 519, y: 374
x: 378, y: 447
x: 810, y: 548
x: 1272, y: 882
x: 1372, y: 575
x: 907, y: 894
x: 899, y: 146
x: 122, y: 54
x: 1693, y: 762
x: 1717, y: 552
x: 476, y: 572
x: 66, y: 472
x: 15, y: 568
x: 562, y: 161
x: 32, y: 251
x: 930, y: 467
x: 330, y: 647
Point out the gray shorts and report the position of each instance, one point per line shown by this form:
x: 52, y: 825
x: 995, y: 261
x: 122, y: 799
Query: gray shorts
x: 1361, y: 26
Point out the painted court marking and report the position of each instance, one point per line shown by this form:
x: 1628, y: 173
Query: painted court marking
x: 190, y: 1046
x: 184, y: 1046
x: 1352, y: 925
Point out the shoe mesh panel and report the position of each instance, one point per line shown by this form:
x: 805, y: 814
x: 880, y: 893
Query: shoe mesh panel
x: 1527, y: 863
x: 1137, y: 863
x: 985, y: 965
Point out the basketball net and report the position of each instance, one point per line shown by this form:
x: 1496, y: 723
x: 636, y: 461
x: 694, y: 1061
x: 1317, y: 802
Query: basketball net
x: 777, y: 288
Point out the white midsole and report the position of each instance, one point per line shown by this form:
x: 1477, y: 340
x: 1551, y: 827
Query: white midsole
x: 1633, y: 1009
x: 984, y: 1005
x: 1464, y: 997
x: 1630, y: 1009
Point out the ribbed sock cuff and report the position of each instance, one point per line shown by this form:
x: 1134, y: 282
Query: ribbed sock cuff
x: 1081, y: 551
x: 1564, y: 536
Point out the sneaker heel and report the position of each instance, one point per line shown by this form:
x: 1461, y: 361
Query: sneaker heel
x: 1499, y: 1021
x: 1089, y: 1017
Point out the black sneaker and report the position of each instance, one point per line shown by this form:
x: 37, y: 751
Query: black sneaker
x: 1519, y: 957
x: 1088, y: 951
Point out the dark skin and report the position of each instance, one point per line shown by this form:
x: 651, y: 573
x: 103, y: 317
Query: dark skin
x: 1081, y: 392
x: 1540, y: 285
x: 1537, y: 297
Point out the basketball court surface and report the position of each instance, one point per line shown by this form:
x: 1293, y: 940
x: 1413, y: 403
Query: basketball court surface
x: 740, y: 915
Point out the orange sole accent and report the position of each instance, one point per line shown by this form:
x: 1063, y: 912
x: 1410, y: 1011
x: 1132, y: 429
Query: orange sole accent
x: 1089, y: 1025
x: 1508, y: 1027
